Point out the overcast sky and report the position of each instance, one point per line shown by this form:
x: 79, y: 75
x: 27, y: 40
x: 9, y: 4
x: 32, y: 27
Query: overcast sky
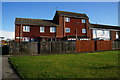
x: 98, y: 12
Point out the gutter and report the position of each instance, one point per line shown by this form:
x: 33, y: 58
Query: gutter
x: 104, y: 29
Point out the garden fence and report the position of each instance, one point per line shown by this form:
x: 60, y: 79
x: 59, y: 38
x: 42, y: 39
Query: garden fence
x: 62, y: 46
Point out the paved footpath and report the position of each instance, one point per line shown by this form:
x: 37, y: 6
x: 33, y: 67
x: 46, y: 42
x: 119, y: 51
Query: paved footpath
x: 7, y: 71
x: 0, y: 67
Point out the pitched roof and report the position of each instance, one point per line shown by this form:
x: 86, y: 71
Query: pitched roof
x: 29, y: 21
x: 72, y: 14
x: 99, y: 26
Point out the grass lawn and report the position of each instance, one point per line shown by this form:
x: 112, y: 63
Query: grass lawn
x: 84, y: 65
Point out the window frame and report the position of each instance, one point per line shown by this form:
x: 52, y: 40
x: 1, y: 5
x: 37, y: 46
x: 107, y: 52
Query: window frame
x: 52, y: 29
x: 103, y: 33
x: 26, y: 38
x: 66, y: 30
x: 26, y: 28
x: 18, y: 37
x: 117, y: 35
x: 42, y: 31
x: 83, y: 30
x: 67, y: 19
x: 83, y: 21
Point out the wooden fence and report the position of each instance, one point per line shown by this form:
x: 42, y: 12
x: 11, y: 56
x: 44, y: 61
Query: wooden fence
x: 116, y: 45
x: 57, y: 46
x: 62, y: 47
x: 42, y: 47
x: 23, y: 48
x: 84, y: 46
x: 103, y: 45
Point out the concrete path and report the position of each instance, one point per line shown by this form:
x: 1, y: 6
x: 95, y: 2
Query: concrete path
x: 7, y: 71
x: 0, y: 67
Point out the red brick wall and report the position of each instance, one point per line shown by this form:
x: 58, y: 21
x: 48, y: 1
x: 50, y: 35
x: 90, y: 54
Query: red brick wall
x: 59, y: 29
x: 84, y: 46
x: 76, y: 23
x: 103, y: 45
x: 113, y: 35
x: 17, y: 28
x: 34, y: 32
x: 89, y: 31
x: 17, y: 32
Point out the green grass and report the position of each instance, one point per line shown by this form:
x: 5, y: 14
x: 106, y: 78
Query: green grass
x: 84, y: 65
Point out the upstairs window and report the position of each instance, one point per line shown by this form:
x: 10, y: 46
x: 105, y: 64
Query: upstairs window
x: 67, y: 19
x: 83, y: 30
x: 26, y: 28
x: 83, y: 21
x: 67, y: 30
x: 117, y: 36
x: 42, y: 29
x: 52, y: 29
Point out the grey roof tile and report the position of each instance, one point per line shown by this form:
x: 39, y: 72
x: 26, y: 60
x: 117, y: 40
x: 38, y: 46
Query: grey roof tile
x: 28, y: 21
x: 72, y: 14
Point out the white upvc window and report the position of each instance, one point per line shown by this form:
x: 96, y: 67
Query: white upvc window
x: 67, y: 19
x: 52, y: 29
x: 42, y: 28
x: 103, y: 33
x: 26, y: 28
x: 83, y: 30
x: 26, y: 39
x: 83, y: 21
x: 67, y: 30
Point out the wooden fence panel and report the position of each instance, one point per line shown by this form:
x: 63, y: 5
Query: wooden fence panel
x: 116, y: 45
x: 84, y: 46
x: 57, y: 46
x: 103, y: 45
x: 23, y: 48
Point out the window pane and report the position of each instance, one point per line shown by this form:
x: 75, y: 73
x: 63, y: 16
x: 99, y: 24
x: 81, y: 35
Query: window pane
x: 52, y: 29
x: 83, y: 20
x: 67, y: 29
x: 23, y: 28
x: 26, y: 28
x: 41, y: 29
x: 67, y: 19
x: 25, y: 38
x: 117, y: 36
x: 83, y: 30
x: 102, y: 33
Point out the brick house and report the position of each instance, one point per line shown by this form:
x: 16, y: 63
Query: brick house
x: 64, y: 26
